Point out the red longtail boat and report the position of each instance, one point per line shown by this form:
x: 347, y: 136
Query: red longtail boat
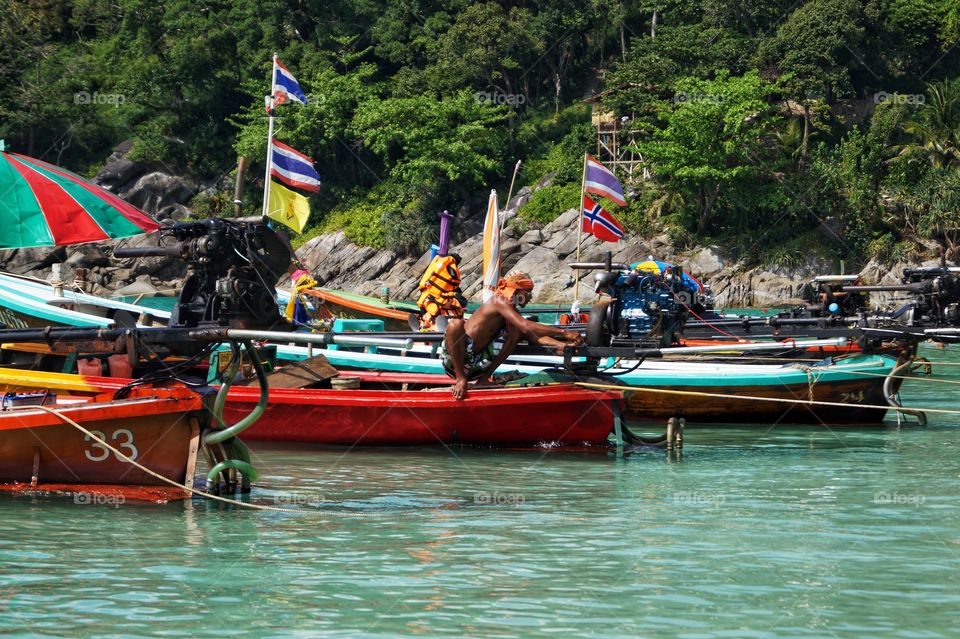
x: 382, y: 413
x: 560, y: 415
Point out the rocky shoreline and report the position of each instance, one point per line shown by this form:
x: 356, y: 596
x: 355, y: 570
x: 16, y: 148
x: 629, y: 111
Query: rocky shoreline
x: 544, y: 253
x: 340, y: 264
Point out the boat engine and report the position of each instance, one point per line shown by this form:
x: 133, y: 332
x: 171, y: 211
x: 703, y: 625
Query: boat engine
x: 933, y: 295
x: 643, y: 307
x: 233, y: 269
x: 936, y: 295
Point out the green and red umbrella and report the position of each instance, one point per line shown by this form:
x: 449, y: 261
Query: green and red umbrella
x: 44, y: 205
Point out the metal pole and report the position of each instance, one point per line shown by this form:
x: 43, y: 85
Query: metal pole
x: 214, y: 334
x: 238, y: 185
x: 516, y: 169
x: 270, y: 106
x: 583, y: 191
x: 764, y: 346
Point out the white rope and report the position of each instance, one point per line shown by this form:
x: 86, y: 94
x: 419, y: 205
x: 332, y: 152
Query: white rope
x: 218, y: 498
x: 783, y: 400
x: 156, y: 475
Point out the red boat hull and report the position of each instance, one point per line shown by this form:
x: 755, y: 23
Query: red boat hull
x: 496, y: 417
x: 563, y: 414
x: 159, y: 428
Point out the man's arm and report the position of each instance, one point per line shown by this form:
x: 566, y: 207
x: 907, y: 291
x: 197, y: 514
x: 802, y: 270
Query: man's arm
x: 534, y: 332
x: 541, y: 331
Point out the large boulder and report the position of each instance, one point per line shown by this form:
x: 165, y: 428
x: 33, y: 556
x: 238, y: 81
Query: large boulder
x: 27, y: 260
x: 87, y: 256
x: 143, y: 285
x: 553, y: 279
x: 118, y: 170
x: 771, y: 290
x: 157, y: 191
x: 705, y: 262
x: 564, y: 224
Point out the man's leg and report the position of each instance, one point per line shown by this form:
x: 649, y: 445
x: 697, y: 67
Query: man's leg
x: 510, y: 341
x: 455, y: 343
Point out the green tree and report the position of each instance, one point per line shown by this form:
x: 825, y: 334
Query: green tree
x: 936, y: 130
x: 711, y: 140
x: 813, y: 52
x: 489, y: 47
x: 425, y: 139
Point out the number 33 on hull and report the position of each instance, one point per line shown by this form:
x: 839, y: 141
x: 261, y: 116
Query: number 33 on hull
x: 159, y: 428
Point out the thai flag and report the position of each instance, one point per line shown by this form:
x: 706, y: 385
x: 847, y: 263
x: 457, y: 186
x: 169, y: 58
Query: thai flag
x: 599, y: 222
x: 285, y: 86
x: 293, y: 168
x: 601, y: 181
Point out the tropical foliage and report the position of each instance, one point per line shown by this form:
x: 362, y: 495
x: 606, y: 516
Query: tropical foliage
x: 774, y: 127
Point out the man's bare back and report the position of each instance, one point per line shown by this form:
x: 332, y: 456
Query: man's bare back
x: 495, y: 317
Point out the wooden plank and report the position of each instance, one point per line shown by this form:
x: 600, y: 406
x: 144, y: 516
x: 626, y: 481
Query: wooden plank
x: 302, y: 374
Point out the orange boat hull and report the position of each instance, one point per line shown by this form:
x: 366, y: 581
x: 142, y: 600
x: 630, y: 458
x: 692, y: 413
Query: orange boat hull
x: 159, y: 428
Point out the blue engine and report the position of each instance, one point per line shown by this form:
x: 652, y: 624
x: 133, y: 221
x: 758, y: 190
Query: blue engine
x: 643, y: 306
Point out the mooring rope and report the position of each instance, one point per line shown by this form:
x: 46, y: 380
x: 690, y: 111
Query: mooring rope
x: 813, y: 376
x: 190, y: 489
x: 933, y: 363
x: 783, y: 400
x: 218, y: 498
x: 157, y: 475
x: 918, y: 378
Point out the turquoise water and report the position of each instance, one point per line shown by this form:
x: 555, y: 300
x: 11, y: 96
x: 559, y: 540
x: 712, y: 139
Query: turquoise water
x: 754, y: 532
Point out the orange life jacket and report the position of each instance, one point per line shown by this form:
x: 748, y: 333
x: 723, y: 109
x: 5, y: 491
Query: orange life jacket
x: 439, y: 288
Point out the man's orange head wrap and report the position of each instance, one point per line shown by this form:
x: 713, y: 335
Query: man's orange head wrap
x: 510, y: 284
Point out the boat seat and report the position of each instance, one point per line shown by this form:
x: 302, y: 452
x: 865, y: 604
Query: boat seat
x: 356, y: 325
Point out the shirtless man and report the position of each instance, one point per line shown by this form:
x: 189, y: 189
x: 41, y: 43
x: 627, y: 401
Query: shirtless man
x: 468, y: 350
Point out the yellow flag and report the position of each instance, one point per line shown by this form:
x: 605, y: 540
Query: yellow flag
x: 288, y: 207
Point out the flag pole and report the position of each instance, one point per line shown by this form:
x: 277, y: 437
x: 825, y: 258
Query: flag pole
x: 516, y: 170
x: 583, y: 191
x: 270, y: 106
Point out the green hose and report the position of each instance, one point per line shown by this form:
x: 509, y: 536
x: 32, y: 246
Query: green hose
x: 235, y: 448
x: 225, y: 383
x: 240, y: 450
x: 219, y: 436
x: 245, y: 469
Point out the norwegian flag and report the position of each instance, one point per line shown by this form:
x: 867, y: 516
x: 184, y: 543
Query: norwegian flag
x: 599, y: 222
